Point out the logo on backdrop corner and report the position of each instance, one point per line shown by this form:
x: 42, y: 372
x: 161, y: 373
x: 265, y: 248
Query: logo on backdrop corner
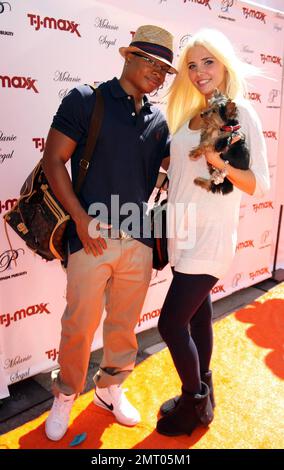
x: 226, y: 4
x: 4, y: 6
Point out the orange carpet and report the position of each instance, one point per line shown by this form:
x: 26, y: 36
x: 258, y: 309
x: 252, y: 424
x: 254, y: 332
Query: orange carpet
x: 248, y: 364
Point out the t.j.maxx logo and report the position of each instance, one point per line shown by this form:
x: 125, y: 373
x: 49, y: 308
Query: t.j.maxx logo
x: 251, y: 13
x: 262, y: 205
x: 274, y: 59
x: 7, y: 205
x: 259, y: 272
x: 217, y: 289
x: 270, y: 135
x: 52, y: 23
x: 254, y: 96
x: 18, y: 82
x: 205, y: 3
x: 22, y: 313
x: 245, y: 244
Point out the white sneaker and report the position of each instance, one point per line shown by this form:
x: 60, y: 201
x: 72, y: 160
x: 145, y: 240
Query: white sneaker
x: 58, y: 419
x: 113, y: 398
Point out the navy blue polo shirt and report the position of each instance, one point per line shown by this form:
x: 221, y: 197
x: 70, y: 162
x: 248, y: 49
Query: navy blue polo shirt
x: 126, y: 160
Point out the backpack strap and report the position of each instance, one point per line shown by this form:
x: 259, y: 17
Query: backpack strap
x: 94, y: 130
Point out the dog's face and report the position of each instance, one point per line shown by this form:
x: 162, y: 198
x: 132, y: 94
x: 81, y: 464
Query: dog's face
x: 220, y: 110
x: 212, y: 116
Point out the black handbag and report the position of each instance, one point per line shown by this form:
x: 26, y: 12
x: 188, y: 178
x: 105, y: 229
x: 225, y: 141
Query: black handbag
x: 159, y: 230
x: 38, y: 217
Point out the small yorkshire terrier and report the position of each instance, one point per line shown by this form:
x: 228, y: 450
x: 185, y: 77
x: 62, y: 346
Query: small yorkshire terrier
x: 220, y: 125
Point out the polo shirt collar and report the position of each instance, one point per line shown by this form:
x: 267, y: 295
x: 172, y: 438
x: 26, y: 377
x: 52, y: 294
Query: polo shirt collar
x: 118, y: 92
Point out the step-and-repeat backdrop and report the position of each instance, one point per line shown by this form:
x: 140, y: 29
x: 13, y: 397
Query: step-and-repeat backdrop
x: 49, y: 47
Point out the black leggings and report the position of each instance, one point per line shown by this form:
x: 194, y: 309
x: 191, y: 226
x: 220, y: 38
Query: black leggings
x: 188, y: 303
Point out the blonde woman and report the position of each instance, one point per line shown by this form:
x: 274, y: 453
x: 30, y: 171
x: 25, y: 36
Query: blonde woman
x: 208, y: 62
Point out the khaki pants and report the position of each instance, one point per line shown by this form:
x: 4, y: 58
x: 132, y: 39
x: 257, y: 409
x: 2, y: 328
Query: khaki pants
x: 118, y: 280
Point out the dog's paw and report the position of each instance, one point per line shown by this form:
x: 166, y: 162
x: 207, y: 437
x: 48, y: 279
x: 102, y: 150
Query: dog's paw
x: 203, y: 183
x: 195, y: 154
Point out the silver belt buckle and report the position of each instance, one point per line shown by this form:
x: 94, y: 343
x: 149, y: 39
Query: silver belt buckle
x: 123, y: 235
x: 115, y: 234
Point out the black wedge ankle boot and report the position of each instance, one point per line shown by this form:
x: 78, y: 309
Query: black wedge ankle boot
x: 207, y: 378
x: 170, y: 404
x: 190, y: 412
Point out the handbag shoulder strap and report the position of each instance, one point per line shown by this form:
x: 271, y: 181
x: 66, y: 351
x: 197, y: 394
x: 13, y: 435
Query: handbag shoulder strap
x: 94, y: 130
x: 158, y: 195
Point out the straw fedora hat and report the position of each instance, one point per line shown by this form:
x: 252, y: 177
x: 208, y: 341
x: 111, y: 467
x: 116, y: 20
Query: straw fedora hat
x: 155, y: 42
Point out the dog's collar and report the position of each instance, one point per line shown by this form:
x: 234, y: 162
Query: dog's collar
x: 230, y: 128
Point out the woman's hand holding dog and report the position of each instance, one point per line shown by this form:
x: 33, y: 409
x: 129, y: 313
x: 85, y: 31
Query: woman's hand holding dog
x: 214, y: 158
x: 242, y: 179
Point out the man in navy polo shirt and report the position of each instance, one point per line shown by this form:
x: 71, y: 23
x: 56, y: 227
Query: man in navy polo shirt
x: 110, y: 260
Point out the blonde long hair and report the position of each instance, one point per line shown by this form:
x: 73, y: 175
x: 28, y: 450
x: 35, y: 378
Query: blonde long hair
x: 184, y: 100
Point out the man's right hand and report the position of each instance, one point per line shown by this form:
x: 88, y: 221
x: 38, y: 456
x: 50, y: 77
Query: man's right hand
x: 88, y: 229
